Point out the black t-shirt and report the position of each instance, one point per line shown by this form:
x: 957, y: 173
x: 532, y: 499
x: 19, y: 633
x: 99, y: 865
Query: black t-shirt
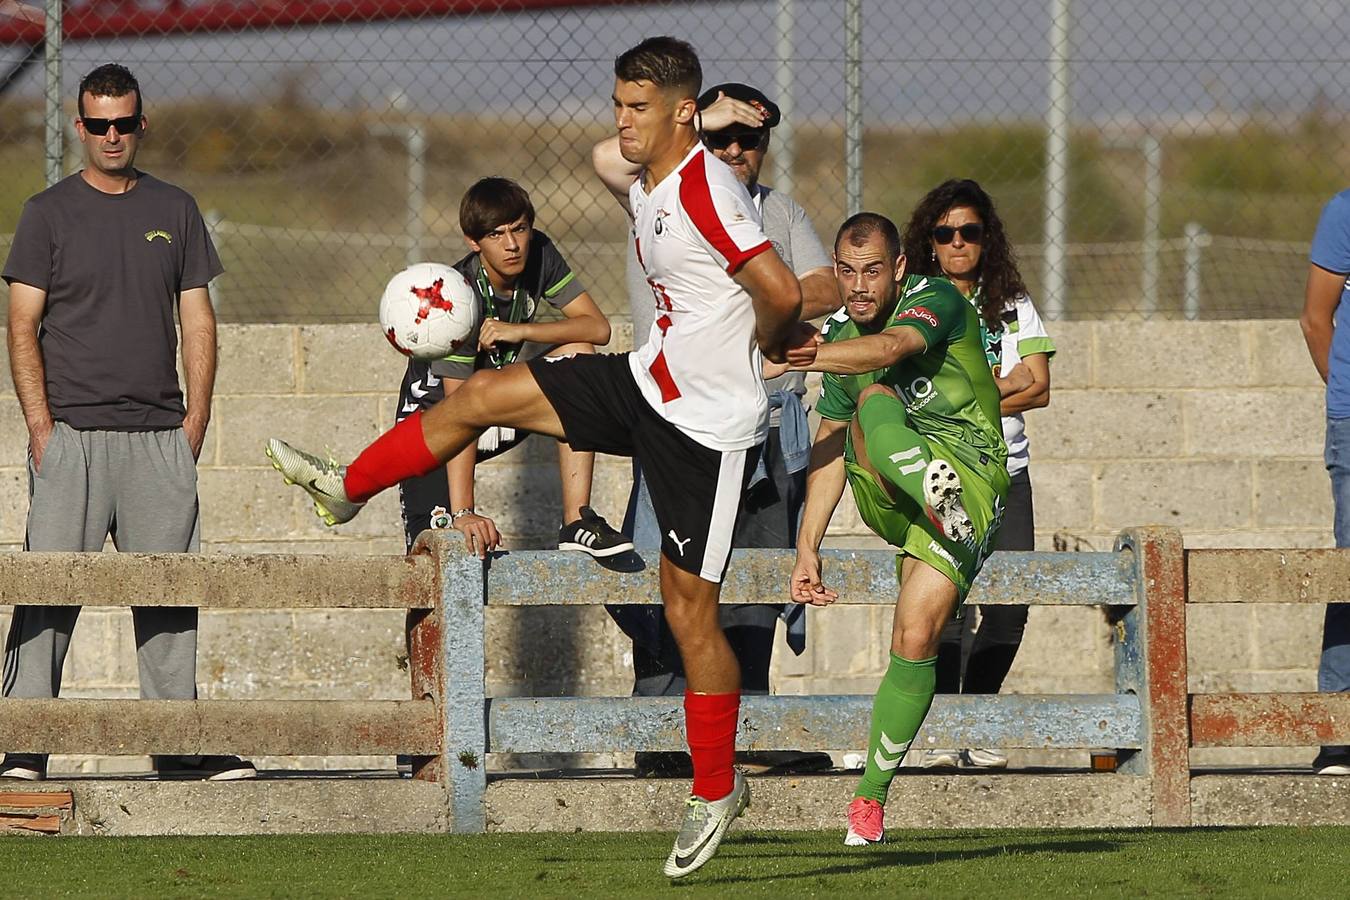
x: 546, y: 278
x: 113, y: 266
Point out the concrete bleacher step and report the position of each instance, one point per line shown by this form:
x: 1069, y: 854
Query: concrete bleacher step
x: 324, y: 804
x: 811, y: 802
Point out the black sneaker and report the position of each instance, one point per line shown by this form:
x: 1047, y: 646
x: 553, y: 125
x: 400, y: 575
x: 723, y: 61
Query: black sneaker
x: 24, y: 766
x: 591, y: 534
x: 663, y: 765
x: 208, y: 768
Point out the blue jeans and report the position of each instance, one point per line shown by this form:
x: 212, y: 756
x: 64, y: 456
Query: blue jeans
x: 1333, y: 674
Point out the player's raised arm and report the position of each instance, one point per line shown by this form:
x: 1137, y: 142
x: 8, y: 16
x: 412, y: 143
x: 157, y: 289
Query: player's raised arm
x: 616, y: 173
x: 825, y: 480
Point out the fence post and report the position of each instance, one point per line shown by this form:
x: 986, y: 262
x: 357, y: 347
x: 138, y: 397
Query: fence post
x: 1151, y: 664
x: 55, y: 149
x: 464, y: 748
x: 424, y: 634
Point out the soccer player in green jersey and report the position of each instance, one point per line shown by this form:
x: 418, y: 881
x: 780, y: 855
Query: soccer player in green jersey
x: 910, y: 419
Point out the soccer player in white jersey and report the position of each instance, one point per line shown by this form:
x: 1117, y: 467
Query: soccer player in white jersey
x: 690, y: 404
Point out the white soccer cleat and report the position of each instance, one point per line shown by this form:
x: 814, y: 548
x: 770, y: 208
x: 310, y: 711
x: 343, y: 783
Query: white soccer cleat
x: 704, y: 824
x: 939, y: 759
x: 942, y: 490
x: 976, y: 758
x: 866, y: 823
x: 321, y: 479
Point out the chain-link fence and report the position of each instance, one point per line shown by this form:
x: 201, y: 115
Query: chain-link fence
x: 1149, y: 157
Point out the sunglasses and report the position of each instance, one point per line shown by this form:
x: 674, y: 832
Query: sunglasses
x: 124, y: 125
x: 971, y: 233
x: 749, y: 140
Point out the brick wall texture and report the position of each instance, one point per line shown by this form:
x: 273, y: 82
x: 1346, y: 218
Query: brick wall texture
x: 1215, y: 428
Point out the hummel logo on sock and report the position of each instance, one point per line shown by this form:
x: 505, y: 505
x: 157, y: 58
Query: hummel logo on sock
x: 884, y: 760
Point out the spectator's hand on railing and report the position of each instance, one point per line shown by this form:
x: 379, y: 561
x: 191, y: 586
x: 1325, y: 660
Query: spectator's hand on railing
x: 806, y: 586
x: 480, y: 533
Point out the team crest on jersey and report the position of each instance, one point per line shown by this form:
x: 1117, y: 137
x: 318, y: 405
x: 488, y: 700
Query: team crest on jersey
x: 659, y: 225
x: 922, y: 313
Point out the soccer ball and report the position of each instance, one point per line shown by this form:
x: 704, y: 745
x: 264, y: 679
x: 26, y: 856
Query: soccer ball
x: 428, y: 311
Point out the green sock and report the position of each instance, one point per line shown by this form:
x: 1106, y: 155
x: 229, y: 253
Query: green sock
x: 894, y: 449
x: 902, y: 701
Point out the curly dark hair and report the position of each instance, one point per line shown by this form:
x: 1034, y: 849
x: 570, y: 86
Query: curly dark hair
x: 999, y: 277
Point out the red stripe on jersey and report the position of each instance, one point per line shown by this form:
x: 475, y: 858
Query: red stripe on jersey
x: 696, y: 197
x: 661, y: 373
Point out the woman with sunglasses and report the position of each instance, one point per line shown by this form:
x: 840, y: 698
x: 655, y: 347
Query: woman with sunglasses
x: 955, y: 232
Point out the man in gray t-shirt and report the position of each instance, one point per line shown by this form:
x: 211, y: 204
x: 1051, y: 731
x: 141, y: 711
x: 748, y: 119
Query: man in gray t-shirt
x: 736, y: 121
x: 99, y: 263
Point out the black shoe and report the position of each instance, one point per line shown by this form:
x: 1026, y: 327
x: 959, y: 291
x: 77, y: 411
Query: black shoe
x: 591, y: 534
x: 663, y: 765
x: 24, y: 766
x: 1332, y: 763
x: 208, y: 768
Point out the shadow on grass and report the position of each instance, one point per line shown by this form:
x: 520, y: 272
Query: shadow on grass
x: 849, y: 861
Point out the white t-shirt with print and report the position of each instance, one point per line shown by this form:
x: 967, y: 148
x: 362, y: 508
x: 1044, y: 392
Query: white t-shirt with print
x: 1023, y: 334
x: 700, y: 365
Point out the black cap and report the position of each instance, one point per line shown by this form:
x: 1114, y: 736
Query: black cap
x: 738, y: 91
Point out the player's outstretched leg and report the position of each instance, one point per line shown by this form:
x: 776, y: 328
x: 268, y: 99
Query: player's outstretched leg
x: 902, y: 457
x: 419, y: 443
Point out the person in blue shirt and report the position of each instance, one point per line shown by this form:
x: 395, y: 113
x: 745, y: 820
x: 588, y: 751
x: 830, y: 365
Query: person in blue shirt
x: 1327, y: 332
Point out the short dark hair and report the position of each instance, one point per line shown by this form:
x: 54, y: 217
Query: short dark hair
x: 109, y: 80
x: 666, y: 62
x: 999, y: 276
x: 491, y: 203
x: 859, y: 228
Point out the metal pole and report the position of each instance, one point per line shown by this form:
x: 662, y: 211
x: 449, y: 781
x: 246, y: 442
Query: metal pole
x: 416, y: 140
x: 1152, y: 222
x: 784, y: 143
x: 52, y: 65
x: 853, y: 96
x: 215, y: 219
x: 1057, y: 162
x: 1195, y: 242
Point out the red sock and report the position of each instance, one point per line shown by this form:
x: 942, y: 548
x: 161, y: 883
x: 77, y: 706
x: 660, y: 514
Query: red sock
x: 710, y: 721
x: 399, y: 453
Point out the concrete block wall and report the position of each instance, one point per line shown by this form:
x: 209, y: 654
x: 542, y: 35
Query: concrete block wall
x: 1213, y: 427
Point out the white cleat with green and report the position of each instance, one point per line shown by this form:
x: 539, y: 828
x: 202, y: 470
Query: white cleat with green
x: 704, y: 824
x: 321, y: 479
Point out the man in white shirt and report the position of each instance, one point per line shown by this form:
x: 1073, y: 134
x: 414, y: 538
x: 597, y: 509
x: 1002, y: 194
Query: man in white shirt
x: 689, y: 405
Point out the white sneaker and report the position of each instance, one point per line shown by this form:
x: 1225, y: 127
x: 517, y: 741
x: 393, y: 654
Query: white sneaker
x: 321, y: 479
x: 939, y: 759
x: 704, y: 823
x: 23, y: 767
x: 942, y: 490
x: 984, y: 759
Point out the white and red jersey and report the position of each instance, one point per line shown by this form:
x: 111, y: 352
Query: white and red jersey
x: 700, y: 367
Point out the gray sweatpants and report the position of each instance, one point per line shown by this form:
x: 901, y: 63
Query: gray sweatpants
x: 140, y: 487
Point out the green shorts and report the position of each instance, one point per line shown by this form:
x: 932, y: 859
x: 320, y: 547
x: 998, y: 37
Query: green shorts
x: 904, y: 524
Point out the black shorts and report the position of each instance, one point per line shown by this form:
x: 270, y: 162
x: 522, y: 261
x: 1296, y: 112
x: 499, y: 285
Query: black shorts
x: 696, y: 491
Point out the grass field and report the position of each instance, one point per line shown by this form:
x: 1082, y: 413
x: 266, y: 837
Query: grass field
x: 1229, y: 862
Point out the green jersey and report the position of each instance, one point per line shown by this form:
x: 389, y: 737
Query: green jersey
x: 948, y: 390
